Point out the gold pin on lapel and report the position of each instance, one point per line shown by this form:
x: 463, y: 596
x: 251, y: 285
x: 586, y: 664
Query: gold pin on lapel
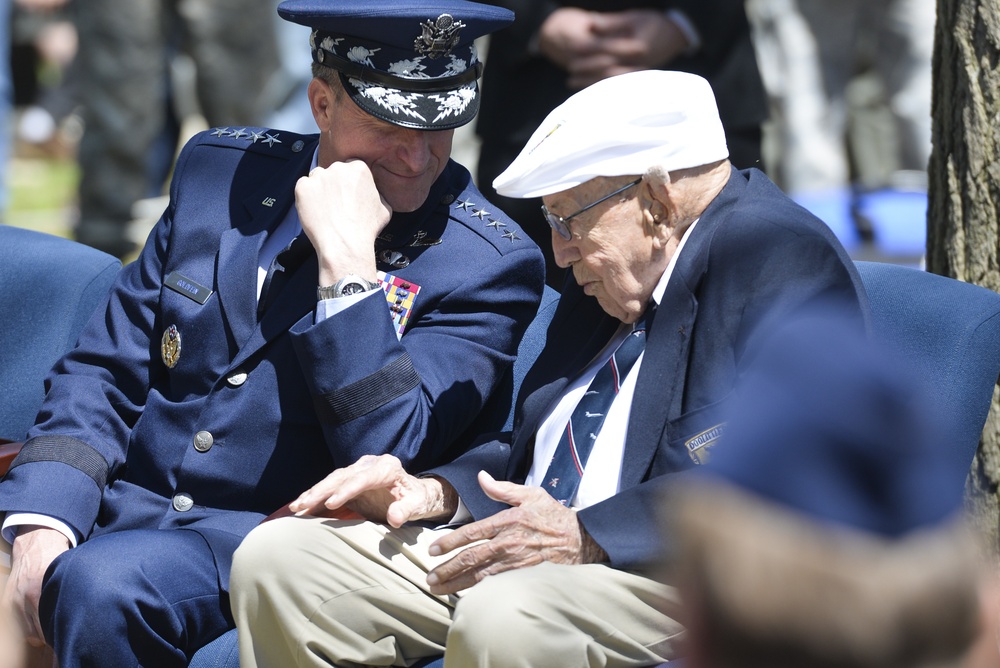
x: 170, y: 346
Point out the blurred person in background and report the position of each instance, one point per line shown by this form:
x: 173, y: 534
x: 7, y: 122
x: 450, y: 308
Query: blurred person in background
x: 834, y: 68
x: 126, y: 47
x: 827, y: 531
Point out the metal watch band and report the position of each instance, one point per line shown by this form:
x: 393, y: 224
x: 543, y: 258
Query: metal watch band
x: 348, y: 285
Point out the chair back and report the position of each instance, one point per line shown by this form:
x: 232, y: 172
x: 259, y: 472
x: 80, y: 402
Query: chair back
x: 49, y: 288
x: 949, y: 331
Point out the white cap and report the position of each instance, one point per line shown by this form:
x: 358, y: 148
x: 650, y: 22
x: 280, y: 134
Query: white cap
x: 620, y: 126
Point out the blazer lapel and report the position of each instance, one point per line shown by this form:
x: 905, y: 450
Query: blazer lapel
x: 660, y: 388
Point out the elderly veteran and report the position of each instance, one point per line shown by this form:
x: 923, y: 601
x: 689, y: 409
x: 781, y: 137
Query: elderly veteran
x: 832, y: 485
x: 303, y: 301
x: 674, y: 254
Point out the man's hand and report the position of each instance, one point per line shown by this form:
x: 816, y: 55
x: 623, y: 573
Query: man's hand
x: 380, y: 490
x: 342, y: 213
x: 567, y: 35
x: 592, y: 46
x: 538, y: 528
x: 33, y: 550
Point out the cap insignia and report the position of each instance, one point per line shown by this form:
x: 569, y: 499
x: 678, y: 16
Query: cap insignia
x: 439, y: 37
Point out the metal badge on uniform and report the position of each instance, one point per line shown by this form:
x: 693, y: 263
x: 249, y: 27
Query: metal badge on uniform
x: 699, y: 446
x: 400, y: 294
x: 394, y: 259
x: 187, y: 287
x: 170, y: 346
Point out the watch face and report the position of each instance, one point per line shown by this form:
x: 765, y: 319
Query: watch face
x: 351, y: 289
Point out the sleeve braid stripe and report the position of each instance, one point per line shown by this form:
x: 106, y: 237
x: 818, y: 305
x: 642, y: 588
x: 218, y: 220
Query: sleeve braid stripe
x: 67, y: 450
x: 373, y: 392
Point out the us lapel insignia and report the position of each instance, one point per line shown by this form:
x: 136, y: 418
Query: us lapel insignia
x: 170, y: 346
x: 698, y: 446
x: 400, y: 294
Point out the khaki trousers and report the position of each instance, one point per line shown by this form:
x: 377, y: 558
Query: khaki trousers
x: 316, y: 592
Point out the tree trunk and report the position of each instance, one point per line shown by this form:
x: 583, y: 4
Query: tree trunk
x: 963, y: 220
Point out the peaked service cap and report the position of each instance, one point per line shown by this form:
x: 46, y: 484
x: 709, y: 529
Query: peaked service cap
x: 622, y: 125
x: 413, y: 63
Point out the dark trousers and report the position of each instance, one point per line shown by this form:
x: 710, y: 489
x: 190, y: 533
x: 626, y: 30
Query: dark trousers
x: 133, y: 598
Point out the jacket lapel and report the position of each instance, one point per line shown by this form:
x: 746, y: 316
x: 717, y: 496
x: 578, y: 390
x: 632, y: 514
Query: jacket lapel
x: 239, y: 248
x: 660, y: 388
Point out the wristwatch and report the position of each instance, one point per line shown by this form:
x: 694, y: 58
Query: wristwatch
x: 348, y: 285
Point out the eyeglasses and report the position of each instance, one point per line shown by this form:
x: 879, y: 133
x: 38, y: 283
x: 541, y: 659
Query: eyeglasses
x: 561, y: 224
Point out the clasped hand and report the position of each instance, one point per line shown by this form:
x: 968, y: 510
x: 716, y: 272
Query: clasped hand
x: 534, y: 529
x: 592, y: 46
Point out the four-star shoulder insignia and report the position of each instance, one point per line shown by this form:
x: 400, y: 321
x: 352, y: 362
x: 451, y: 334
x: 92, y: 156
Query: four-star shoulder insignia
x: 249, y: 135
x: 473, y: 211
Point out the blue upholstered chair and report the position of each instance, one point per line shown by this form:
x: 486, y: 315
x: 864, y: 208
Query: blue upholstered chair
x: 49, y: 287
x: 950, y: 333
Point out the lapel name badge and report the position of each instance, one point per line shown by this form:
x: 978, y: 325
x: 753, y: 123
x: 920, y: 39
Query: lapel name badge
x: 170, y: 346
x: 193, y: 290
x: 699, y: 446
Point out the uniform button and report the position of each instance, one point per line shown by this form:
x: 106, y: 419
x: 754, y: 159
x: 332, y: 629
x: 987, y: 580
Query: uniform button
x: 183, y: 502
x: 298, y: 146
x: 203, y: 441
x: 237, y: 378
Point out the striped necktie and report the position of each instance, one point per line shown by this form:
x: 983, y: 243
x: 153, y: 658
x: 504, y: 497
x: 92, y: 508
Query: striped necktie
x: 566, y: 468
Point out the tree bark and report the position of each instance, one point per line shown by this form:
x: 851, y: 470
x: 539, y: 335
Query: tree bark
x: 963, y: 219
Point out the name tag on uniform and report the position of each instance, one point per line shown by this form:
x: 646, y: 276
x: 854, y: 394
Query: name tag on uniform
x: 185, y: 286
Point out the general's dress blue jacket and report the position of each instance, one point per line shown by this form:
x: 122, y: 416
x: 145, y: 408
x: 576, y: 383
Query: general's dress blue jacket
x: 255, y: 411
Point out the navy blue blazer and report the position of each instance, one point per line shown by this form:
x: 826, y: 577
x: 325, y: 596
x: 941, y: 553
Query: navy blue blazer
x: 753, y: 255
x: 284, y: 400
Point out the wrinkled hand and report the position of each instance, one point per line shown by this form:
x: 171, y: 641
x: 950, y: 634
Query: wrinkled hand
x: 32, y: 552
x: 537, y: 528
x: 614, y: 43
x: 377, y: 488
x: 342, y: 213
